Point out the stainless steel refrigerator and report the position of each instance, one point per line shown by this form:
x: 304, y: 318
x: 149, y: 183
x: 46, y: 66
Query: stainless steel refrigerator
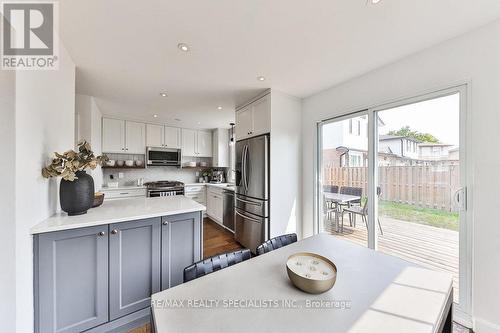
x: 252, y: 192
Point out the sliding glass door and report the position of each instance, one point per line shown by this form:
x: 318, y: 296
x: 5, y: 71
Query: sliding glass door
x: 393, y: 178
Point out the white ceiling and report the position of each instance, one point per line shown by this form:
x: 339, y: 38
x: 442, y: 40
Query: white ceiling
x: 126, y: 51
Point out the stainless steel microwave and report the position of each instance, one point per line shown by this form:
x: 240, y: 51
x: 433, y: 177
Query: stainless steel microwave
x: 163, y: 156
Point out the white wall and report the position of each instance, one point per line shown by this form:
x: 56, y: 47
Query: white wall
x: 286, y: 153
x: 88, y: 127
x: 7, y: 201
x: 473, y: 57
x: 45, y: 115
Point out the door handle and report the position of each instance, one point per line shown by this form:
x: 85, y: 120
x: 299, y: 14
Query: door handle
x: 248, y: 218
x: 249, y: 202
x: 460, y: 198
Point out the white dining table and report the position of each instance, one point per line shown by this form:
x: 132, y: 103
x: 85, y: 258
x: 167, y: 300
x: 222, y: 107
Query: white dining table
x: 374, y: 292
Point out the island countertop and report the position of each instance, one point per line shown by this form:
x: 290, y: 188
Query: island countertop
x: 120, y: 211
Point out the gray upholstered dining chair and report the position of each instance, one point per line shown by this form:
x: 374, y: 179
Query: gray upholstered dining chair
x: 215, y: 263
x: 276, y: 243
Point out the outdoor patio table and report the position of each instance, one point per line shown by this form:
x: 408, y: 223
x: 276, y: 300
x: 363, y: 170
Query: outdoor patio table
x: 340, y: 199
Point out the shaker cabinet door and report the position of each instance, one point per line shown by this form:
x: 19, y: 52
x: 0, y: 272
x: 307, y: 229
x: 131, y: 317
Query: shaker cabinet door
x: 154, y: 135
x: 134, y: 265
x: 172, y: 137
x: 113, y: 135
x: 181, y: 246
x: 244, y: 123
x: 204, y: 144
x: 189, y: 142
x: 135, y: 137
x: 71, y: 280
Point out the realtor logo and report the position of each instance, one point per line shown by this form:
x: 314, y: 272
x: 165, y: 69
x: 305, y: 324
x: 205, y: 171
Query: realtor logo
x: 29, y: 36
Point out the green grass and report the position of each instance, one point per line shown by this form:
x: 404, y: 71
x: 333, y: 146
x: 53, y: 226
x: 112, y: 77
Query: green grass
x: 433, y: 217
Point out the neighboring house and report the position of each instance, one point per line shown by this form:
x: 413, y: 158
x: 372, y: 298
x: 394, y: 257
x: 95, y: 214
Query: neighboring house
x: 454, y: 154
x: 401, y: 146
x: 435, y: 151
x: 345, y: 142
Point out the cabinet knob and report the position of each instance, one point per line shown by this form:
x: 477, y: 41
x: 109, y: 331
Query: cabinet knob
x: 114, y: 231
x: 102, y: 233
x: 165, y: 222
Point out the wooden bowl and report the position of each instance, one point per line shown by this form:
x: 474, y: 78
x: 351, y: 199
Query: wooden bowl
x: 98, y: 199
x: 311, y: 272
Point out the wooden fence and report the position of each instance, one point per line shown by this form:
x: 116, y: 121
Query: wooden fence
x: 421, y: 186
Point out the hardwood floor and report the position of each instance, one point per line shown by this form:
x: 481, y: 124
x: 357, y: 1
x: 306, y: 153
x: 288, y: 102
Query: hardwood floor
x: 217, y: 240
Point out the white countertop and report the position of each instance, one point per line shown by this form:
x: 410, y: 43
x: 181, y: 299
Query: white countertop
x: 386, y: 294
x: 120, y: 211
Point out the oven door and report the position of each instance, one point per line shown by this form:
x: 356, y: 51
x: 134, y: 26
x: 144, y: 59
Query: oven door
x: 163, y: 156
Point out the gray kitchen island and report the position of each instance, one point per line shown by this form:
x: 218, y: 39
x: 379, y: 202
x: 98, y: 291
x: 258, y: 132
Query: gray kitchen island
x: 374, y: 292
x: 96, y: 272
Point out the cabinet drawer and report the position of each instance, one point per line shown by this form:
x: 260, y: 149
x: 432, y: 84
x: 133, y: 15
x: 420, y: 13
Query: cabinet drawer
x: 122, y: 194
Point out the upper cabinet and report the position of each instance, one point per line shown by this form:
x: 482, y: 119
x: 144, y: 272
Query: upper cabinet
x: 135, y: 137
x: 220, y: 142
x: 120, y: 136
x: 254, y: 119
x: 196, y: 143
x: 163, y: 136
x: 172, y: 137
x: 113, y: 135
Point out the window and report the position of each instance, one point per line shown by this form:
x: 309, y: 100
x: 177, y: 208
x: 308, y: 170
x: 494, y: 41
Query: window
x: 350, y: 126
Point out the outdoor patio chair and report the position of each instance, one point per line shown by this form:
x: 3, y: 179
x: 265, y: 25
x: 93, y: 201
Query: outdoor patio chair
x: 357, y: 210
x: 328, y: 210
x: 331, y: 188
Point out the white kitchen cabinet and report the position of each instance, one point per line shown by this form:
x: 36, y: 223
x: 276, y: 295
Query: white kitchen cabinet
x: 135, y: 137
x: 163, y: 136
x: 189, y: 142
x: 215, y: 204
x: 254, y: 119
x: 123, y: 193
x: 172, y: 137
x: 196, y: 143
x: 113, y: 135
x: 220, y: 143
x: 204, y: 143
x: 155, y: 135
x: 120, y: 136
x: 244, y: 123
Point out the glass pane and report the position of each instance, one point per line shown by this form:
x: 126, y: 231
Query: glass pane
x: 343, y: 170
x: 419, y: 172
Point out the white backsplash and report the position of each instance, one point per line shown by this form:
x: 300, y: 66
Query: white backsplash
x: 150, y: 174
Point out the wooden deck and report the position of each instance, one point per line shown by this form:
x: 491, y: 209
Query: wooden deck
x: 431, y: 247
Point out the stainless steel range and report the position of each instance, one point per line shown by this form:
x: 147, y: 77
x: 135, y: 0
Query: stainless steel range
x: 164, y: 188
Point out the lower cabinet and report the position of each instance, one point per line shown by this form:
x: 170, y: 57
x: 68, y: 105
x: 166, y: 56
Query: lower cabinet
x: 98, y: 279
x: 71, y: 280
x: 181, y: 246
x: 134, y: 265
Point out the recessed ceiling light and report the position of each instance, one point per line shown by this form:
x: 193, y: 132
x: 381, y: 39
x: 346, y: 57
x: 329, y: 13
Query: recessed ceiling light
x: 199, y: 123
x: 261, y: 78
x: 155, y: 116
x: 163, y: 94
x: 375, y: 1
x: 183, y: 47
x: 219, y: 107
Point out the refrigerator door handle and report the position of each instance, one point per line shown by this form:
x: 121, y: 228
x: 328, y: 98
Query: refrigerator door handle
x: 248, y: 218
x: 247, y: 180
x: 244, y: 163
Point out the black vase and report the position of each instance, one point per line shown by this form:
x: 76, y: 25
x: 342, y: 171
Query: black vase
x: 77, y: 196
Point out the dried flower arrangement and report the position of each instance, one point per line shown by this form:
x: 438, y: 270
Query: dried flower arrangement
x: 67, y: 164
